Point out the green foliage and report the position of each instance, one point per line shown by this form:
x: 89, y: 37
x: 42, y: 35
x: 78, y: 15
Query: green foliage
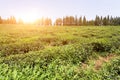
x: 112, y: 70
x: 50, y: 53
x: 20, y: 48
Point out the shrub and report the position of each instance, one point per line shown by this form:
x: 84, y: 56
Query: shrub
x: 101, y: 47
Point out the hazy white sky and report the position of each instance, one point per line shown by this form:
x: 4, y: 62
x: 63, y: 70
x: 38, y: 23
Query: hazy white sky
x: 58, y: 8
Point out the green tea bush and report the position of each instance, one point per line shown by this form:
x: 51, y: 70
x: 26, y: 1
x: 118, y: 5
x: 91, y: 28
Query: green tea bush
x: 101, y: 47
x: 51, y: 53
x: 20, y: 48
x: 111, y: 71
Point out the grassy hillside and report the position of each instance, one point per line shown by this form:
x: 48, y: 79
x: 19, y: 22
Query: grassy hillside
x: 31, y: 52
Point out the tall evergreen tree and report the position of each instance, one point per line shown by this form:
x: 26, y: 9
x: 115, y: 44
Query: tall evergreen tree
x: 116, y: 21
x: 91, y: 23
x: 12, y: 20
x: 71, y: 21
x: 105, y: 21
x: 84, y: 21
x: 80, y: 21
x: 101, y: 21
x: 68, y: 21
x: 47, y: 22
x: 108, y: 20
x: 64, y: 21
x: 76, y: 21
x: 97, y: 21
x: 1, y: 20
x: 111, y: 21
x: 58, y: 22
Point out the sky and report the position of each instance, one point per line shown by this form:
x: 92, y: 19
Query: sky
x: 25, y: 9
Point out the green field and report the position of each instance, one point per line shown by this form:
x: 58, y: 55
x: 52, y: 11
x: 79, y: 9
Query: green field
x: 32, y: 52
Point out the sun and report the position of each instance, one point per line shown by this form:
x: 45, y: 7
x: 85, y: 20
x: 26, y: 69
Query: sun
x: 30, y: 17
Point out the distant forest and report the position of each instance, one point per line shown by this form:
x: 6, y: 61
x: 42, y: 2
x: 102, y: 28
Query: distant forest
x: 69, y: 21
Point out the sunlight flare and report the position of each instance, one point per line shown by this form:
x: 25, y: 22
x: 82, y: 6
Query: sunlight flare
x: 30, y: 17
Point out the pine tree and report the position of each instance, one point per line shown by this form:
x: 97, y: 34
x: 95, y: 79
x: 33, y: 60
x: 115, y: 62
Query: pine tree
x: 47, y: 22
x: 91, y: 23
x: 84, y: 21
x: 58, y: 22
x: 111, y: 21
x: 80, y: 21
x: 64, y: 21
x: 108, y: 20
x: 1, y: 20
x: 71, y: 21
x: 76, y: 21
x: 97, y: 21
x: 101, y: 21
x: 12, y: 20
x: 105, y: 21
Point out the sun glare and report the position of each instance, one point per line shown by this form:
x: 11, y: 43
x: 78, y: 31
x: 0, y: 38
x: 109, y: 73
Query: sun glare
x: 29, y: 17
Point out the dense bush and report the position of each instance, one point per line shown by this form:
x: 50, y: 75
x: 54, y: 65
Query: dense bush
x: 111, y: 71
x: 101, y: 47
x: 20, y: 48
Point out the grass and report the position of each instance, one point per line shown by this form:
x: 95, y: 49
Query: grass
x: 32, y: 52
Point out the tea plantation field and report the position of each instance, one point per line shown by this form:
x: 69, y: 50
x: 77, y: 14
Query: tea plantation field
x: 32, y: 52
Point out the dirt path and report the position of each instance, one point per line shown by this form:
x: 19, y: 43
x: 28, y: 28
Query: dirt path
x: 100, y: 61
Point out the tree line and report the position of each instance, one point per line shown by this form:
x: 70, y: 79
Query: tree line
x: 82, y: 21
x: 11, y: 20
x: 69, y: 21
